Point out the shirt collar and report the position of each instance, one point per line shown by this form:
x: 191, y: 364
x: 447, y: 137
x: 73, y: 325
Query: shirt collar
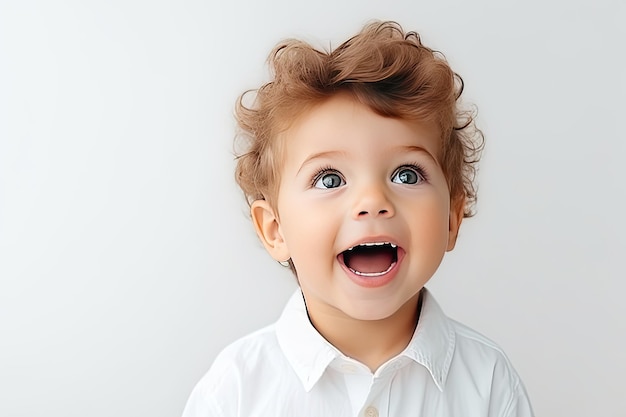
x: 309, y: 354
x: 433, y: 342
x: 306, y: 350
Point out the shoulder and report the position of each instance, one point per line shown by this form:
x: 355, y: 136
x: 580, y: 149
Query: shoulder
x: 482, y: 356
x: 246, y: 361
x: 482, y: 361
x: 468, y: 338
x: 258, y: 342
x: 242, y: 355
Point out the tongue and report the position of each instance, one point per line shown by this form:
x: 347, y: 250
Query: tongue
x: 378, y: 261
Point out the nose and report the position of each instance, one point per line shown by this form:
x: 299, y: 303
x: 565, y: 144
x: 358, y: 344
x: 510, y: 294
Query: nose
x: 372, y: 202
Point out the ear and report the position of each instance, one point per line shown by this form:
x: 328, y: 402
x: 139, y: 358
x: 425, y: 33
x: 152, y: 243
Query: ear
x: 267, y: 227
x: 457, y: 211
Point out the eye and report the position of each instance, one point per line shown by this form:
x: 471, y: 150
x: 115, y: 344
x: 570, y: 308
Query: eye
x: 408, y: 175
x: 326, y: 179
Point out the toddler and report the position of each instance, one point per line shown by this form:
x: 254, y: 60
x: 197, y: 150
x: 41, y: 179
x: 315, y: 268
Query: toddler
x: 359, y: 169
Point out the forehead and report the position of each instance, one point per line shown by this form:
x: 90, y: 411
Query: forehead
x: 343, y: 124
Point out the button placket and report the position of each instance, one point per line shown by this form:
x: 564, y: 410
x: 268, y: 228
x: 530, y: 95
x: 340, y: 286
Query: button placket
x: 377, y: 402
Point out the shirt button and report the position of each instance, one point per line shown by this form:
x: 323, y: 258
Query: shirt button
x: 371, y: 412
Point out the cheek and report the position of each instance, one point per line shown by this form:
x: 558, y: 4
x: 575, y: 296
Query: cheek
x: 304, y: 231
x: 310, y: 238
x: 431, y: 222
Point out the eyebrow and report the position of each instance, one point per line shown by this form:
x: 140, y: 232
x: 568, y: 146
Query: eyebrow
x: 320, y: 155
x: 414, y: 148
x: 331, y: 154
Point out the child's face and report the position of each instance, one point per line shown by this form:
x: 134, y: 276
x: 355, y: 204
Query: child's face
x: 352, y: 178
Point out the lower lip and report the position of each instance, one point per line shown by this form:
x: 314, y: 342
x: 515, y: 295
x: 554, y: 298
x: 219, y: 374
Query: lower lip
x: 378, y: 281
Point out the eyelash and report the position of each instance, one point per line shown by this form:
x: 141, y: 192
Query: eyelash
x: 414, y: 166
x: 329, y: 169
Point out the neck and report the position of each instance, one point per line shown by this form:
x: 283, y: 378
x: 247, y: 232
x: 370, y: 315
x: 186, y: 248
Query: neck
x: 371, y: 342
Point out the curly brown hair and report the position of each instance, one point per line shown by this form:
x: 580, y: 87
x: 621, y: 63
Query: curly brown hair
x: 383, y: 67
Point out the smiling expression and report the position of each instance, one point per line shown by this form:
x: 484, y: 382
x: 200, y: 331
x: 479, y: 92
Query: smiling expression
x: 363, y: 209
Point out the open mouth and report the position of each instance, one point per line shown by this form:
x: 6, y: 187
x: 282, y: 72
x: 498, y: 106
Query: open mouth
x: 370, y: 259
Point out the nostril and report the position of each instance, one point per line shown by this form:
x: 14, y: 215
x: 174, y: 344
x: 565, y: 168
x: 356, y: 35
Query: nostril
x: 380, y: 212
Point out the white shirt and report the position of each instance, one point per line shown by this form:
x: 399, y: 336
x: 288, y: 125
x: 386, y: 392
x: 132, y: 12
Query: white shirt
x: 289, y: 369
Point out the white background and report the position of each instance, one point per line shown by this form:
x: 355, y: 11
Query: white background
x: 126, y: 257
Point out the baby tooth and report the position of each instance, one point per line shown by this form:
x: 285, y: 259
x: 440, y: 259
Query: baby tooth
x: 374, y: 244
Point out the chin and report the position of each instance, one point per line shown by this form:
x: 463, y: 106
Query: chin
x: 371, y: 311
